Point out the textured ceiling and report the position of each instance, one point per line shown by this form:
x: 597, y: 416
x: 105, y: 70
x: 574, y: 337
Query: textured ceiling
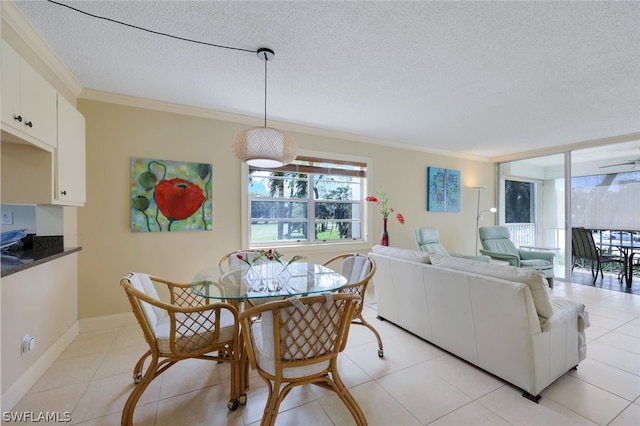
x: 482, y: 78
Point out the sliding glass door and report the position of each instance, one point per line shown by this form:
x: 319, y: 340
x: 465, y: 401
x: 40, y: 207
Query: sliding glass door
x: 598, y: 188
x: 532, y: 205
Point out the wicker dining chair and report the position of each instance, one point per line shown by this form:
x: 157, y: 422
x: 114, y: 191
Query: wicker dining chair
x: 186, y: 327
x: 296, y: 341
x: 359, y: 269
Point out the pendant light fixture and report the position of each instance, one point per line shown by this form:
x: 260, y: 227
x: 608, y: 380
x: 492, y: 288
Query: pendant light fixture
x: 264, y: 146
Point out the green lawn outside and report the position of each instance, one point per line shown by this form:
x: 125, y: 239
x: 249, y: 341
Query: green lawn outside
x: 269, y: 232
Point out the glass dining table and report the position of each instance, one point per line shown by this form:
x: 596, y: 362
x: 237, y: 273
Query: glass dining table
x: 261, y: 282
x: 243, y: 287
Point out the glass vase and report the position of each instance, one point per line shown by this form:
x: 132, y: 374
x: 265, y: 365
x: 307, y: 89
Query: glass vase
x: 384, y: 237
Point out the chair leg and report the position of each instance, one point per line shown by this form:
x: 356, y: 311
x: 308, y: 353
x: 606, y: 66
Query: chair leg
x: 600, y: 269
x: 343, y: 392
x: 137, y: 370
x: 273, y: 403
x: 239, y: 378
x: 361, y: 321
x: 138, y: 390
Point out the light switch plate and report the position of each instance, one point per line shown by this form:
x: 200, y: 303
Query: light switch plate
x: 7, y: 218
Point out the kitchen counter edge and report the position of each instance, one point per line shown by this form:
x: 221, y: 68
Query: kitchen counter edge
x: 19, y: 268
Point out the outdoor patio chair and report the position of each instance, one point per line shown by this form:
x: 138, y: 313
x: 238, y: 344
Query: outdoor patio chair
x: 584, y: 248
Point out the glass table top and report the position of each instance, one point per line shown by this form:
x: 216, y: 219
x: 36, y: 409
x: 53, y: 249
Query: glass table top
x: 266, y: 281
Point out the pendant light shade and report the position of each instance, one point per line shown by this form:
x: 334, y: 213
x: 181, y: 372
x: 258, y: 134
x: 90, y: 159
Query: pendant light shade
x: 265, y: 146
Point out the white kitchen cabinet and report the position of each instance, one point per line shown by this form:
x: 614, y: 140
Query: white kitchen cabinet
x: 31, y: 175
x: 70, y: 170
x: 28, y: 102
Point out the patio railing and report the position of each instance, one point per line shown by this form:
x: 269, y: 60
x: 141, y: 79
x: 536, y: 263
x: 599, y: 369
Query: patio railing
x: 523, y: 234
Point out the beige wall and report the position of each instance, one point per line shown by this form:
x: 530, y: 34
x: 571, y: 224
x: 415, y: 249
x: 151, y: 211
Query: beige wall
x: 40, y: 301
x: 115, y: 133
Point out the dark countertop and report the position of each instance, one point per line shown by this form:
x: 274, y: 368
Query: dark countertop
x: 24, y: 259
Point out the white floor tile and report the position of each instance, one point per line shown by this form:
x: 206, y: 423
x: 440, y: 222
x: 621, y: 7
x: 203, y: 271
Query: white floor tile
x: 517, y: 410
x: 630, y: 329
x: 604, y: 322
x: 621, y: 341
x: 412, y: 386
x: 67, y: 371
x: 611, y: 379
x: 108, y: 396
x: 379, y: 408
x: 607, y: 354
x: 415, y: 383
x: 589, y: 401
x: 400, y: 351
x: 629, y: 417
x: 471, y: 414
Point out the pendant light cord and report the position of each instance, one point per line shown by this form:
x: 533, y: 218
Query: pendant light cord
x: 265, y: 89
x: 151, y: 31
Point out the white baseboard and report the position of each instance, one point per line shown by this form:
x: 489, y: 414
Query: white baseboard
x: 107, y: 322
x: 19, y: 389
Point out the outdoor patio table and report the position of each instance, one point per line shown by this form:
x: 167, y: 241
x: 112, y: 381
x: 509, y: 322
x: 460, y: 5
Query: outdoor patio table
x: 627, y: 250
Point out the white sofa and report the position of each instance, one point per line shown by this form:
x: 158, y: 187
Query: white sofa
x: 500, y: 318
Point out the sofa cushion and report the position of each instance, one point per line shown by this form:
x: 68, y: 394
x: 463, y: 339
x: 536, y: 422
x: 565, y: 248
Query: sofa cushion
x: 401, y: 253
x: 533, y: 278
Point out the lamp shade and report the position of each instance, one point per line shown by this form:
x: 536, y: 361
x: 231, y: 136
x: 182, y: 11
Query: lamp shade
x: 264, y: 147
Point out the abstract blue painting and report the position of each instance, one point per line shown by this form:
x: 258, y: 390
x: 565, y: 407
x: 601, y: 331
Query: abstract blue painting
x: 443, y: 190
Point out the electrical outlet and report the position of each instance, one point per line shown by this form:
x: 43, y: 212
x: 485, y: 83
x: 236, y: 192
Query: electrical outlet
x: 7, y: 218
x: 28, y: 343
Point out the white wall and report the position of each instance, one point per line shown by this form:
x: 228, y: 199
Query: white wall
x: 24, y: 217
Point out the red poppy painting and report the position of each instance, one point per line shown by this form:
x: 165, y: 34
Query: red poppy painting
x: 171, y: 196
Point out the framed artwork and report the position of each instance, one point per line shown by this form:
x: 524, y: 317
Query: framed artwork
x: 171, y: 196
x: 443, y: 190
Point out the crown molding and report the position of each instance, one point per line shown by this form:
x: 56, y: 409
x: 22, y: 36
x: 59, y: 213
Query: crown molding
x: 15, y: 19
x: 566, y: 148
x: 115, y: 98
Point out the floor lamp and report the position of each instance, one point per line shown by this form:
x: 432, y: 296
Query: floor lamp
x: 479, y: 213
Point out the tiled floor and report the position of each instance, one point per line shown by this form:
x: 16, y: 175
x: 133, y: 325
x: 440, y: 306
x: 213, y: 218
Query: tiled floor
x: 414, y: 384
x: 609, y: 281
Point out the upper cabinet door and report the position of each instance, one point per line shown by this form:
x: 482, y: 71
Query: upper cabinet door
x: 70, y: 184
x: 39, y: 105
x: 11, y: 87
x: 28, y: 101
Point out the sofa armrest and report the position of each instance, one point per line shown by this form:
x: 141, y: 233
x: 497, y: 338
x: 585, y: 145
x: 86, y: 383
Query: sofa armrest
x: 511, y: 258
x: 476, y: 258
x: 545, y: 255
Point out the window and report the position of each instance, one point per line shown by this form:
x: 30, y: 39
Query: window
x: 606, y: 201
x: 519, y: 202
x: 311, y: 200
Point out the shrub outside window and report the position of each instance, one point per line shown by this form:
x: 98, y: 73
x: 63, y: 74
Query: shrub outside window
x: 519, y: 201
x: 310, y: 201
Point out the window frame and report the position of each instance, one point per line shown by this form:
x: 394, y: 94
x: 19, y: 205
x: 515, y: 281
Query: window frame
x: 361, y: 243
